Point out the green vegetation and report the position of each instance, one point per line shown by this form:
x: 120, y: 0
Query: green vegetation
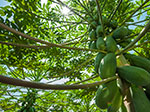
x: 47, y: 56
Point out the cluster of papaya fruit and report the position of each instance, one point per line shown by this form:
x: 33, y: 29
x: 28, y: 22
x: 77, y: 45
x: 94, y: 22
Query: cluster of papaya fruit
x: 109, y: 95
x: 138, y: 75
x: 96, y: 35
x: 95, y: 30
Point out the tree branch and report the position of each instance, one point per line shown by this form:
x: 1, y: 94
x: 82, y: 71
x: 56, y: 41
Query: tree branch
x: 85, y: 8
x: 141, y: 34
x: 138, y: 25
x: 139, y: 45
x: 86, y: 79
x: 141, y: 12
x: 138, y: 22
x: 66, y: 25
x: 70, y: 41
x: 25, y: 36
x: 146, y: 48
x: 23, y: 45
x: 100, y: 16
x: 115, y: 10
x: 45, y: 42
x: 23, y: 83
x: 75, y: 42
x: 130, y: 12
x: 127, y: 37
x: 134, y: 12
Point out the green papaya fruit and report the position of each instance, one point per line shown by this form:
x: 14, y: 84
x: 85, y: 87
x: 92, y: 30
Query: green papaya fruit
x: 112, y: 87
x: 120, y: 33
x: 99, y: 30
x: 134, y: 75
x: 24, y: 111
x: 124, y: 43
x: 138, y: 61
x: 89, y: 19
x: 93, y: 24
x: 107, y: 66
x: 100, y: 44
x: 31, y: 109
x: 93, y: 45
x: 113, y: 24
x: 97, y: 61
x: 140, y: 101
x: 103, y: 97
x: 96, y: 18
x: 111, y: 44
x: 92, y: 34
x: 105, y: 20
x: 116, y: 102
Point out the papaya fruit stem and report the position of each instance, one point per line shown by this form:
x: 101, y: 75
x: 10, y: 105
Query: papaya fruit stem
x: 127, y: 97
x: 100, y: 16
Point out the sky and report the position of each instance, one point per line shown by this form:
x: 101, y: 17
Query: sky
x: 3, y: 3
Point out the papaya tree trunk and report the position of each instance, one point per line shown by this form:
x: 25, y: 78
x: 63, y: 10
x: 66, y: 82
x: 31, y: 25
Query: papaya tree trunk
x: 127, y: 97
x: 125, y: 88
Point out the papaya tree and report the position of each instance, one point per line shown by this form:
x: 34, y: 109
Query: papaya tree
x: 93, y: 57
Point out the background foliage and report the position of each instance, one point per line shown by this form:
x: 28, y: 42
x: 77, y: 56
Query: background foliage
x: 54, y: 64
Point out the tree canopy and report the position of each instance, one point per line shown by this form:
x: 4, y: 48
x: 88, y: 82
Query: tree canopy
x: 45, y: 59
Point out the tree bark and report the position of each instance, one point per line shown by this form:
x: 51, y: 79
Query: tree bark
x: 125, y: 86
